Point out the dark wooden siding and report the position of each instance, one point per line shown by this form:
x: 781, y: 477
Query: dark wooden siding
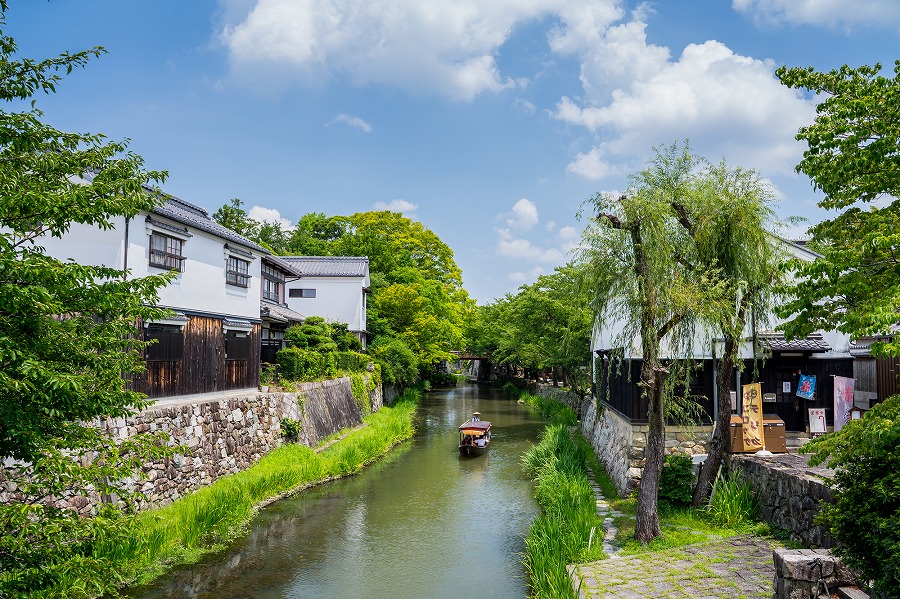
x: 778, y: 369
x: 620, y: 389
x: 202, y: 367
x: 887, y: 370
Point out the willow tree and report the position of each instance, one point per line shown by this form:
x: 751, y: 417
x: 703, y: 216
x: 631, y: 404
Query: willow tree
x: 733, y: 218
x: 650, y: 290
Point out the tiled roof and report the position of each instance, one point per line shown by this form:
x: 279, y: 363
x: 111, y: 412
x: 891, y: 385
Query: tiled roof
x: 775, y: 341
x: 279, y: 313
x: 197, y: 217
x: 282, y: 264
x: 329, y: 266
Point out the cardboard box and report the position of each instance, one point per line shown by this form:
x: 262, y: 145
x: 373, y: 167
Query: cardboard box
x: 773, y: 429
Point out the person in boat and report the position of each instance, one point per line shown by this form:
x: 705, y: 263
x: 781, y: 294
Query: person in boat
x: 479, y: 441
x: 467, y: 440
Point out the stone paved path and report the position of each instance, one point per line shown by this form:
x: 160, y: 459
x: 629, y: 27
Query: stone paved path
x: 739, y: 567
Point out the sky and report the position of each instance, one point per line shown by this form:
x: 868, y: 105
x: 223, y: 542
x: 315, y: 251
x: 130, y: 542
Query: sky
x: 491, y: 122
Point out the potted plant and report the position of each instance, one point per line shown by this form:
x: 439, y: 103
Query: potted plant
x: 267, y: 378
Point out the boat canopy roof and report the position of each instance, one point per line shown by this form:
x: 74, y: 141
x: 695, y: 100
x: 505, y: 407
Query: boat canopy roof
x: 474, y: 427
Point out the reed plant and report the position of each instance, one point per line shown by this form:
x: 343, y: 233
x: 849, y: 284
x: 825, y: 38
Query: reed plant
x: 208, y: 519
x: 561, y: 533
x: 733, y: 502
x: 551, y: 409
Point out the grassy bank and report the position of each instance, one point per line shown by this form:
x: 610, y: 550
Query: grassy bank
x: 210, y: 518
x: 561, y: 534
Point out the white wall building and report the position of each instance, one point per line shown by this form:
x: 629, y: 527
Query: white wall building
x: 333, y: 287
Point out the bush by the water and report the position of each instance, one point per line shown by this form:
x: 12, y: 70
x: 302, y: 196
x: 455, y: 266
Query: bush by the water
x: 676, y: 483
x: 554, y: 411
x: 399, y: 365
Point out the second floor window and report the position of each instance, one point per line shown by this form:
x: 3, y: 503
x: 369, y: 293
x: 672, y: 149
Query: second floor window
x: 165, y: 252
x: 302, y: 293
x: 272, y: 282
x: 238, y: 272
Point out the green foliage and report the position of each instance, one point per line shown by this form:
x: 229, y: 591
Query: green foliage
x: 853, y: 156
x: 360, y: 392
x: 733, y: 502
x: 443, y: 379
x: 674, y: 257
x: 348, y: 360
x: 398, y: 363
x: 299, y: 364
x: 865, y: 515
x: 560, y: 534
x: 416, y: 292
x: 290, y: 428
x: 676, y: 483
x: 268, y: 375
x: 67, y: 333
x: 313, y: 334
x: 552, y: 410
x: 544, y: 325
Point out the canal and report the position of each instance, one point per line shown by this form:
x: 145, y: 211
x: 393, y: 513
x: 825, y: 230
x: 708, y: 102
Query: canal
x: 421, y: 523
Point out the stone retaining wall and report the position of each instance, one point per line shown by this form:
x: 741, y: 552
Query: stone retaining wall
x: 799, y: 573
x: 790, y: 496
x: 227, y: 435
x: 621, y: 445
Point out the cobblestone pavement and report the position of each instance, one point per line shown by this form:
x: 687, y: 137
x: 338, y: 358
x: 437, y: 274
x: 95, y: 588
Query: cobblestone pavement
x: 739, y: 567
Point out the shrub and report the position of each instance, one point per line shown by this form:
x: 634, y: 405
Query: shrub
x: 351, y: 361
x: 399, y: 365
x: 733, y: 502
x: 442, y: 379
x: 300, y: 364
x: 865, y: 515
x: 676, y: 484
x: 290, y: 428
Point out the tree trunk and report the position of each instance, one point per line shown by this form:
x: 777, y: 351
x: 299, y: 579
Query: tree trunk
x: 646, y: 526
x: 721, y: 435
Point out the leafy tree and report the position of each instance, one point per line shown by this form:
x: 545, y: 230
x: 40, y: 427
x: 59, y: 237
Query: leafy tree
x: 66, y: 335
x: 853, y: 156
x: 649, y: 288
x: 544, y: 325
x: 416, y: 288
x: 269, y: 235
x: 234, y: 217
x: 316, y: 234
x: 732, y: 220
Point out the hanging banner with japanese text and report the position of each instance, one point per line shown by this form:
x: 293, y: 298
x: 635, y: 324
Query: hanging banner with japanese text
x: 752, y: 415
x: 843, y: 400
x: 806, y: 388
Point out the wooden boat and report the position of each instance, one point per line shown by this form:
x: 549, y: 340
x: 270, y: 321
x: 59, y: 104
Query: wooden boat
x: 474, y: 436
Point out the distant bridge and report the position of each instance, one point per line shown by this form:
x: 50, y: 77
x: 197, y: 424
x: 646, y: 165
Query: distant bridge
x: 464, y: 355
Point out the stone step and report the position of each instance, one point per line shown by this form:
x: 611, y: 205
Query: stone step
x: 852, y: 593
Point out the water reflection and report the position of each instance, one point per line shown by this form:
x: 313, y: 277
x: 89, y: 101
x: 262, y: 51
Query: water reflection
x: 423, y: 522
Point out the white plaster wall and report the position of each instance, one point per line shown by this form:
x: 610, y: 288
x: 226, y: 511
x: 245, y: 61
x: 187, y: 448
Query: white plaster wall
x: 338, y: 299
x: 199, y: 287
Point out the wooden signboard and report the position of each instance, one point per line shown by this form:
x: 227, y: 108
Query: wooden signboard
x: 752, y: 416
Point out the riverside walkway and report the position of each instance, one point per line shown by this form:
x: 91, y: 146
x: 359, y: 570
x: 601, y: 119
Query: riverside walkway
x: 738, y: 567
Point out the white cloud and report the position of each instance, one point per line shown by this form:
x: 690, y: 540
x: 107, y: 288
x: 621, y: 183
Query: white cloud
x: 270, y: 215
x: 408, y: 209
x: 353, y: 121
x: 524, y: 105
x: 432, y: 47
x: 523, y: 277
x: 525, y: 215
x: 827, y: 13
x: 551, y: 224
x: 513, y: 247
x: 728, y: 105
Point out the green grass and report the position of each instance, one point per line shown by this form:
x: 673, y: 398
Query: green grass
x: 210, y: 518
x: 552, y: 410
x: 560, y: 534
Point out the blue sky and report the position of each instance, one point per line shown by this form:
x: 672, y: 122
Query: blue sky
x: 490, y: 122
